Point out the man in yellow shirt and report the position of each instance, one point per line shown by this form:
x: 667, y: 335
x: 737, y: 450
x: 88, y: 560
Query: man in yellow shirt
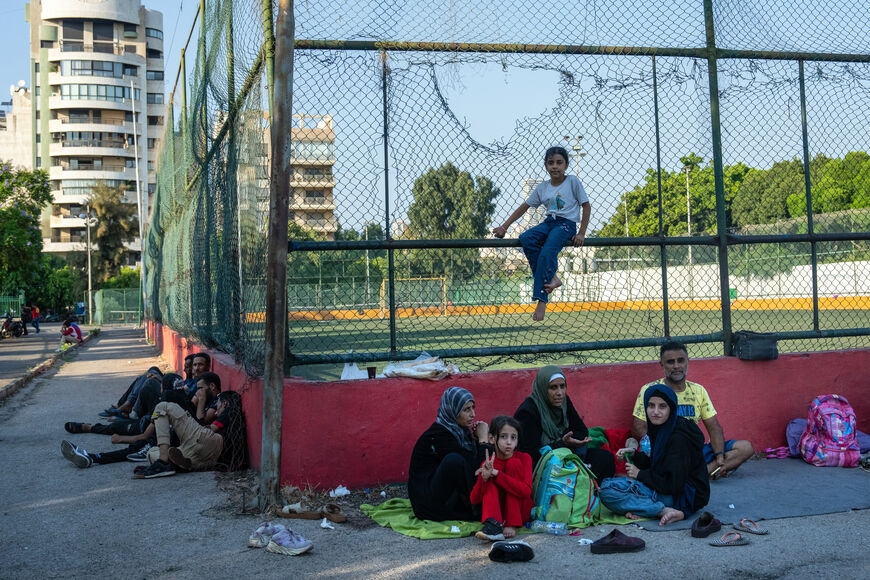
x: 693, y: 403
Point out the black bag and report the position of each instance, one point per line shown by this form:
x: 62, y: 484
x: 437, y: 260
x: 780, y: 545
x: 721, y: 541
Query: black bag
x: 748, y: 345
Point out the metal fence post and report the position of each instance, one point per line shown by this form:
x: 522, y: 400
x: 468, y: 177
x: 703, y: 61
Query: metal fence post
x: 718, y: 176
x: 391, y: 267
x: 231, y: 200
x: 809, y: 195
x: 666, y: 319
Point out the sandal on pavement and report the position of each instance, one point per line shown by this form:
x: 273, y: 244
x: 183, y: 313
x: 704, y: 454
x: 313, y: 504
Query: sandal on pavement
x: 74, y: 427
x: 333, y: 513
x: 295, y: 511
x: 747, y: 525
x: 776, y: 452
x: 730, y: 539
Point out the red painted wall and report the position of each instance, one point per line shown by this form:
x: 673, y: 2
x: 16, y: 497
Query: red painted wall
x: 360, y: 433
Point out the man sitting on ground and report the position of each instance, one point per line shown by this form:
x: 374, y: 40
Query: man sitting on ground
x: 200, y: 446
x: 693, y: 403
x: 200, y: 363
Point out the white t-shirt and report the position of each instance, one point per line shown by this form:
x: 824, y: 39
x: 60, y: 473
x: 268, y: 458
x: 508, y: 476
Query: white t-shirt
x: 563, y: 200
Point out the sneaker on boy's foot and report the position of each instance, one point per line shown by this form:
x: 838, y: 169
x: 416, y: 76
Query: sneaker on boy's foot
x: 516, y: 551
x: 263, y: 534
x: 157, y: 469
x: 288, y: 543
x: 492, y: 531
x: 78, y: 456
x: 141, y: 455
x: 179, y: 460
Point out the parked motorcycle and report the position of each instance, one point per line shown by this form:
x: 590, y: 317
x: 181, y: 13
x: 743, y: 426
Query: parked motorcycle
x: 10, y: 327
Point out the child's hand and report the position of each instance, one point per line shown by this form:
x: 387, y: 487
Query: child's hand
x: 578, y: 240
x: 499, y: 231
x: 486, y: 470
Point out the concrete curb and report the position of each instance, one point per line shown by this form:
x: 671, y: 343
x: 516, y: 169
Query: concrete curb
x: 45, y: 365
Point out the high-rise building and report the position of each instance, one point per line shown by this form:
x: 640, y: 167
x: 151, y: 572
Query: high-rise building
x: 16, y: 128
x: 97, y: 69
x: 311, y: 203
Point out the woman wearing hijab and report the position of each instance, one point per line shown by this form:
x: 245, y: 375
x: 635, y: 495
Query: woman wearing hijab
x: 548, y: 418
x: 671, y: 483
x: 445, y: 458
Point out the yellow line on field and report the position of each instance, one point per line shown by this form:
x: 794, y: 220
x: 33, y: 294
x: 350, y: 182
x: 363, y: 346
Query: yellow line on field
x: 825, y: 303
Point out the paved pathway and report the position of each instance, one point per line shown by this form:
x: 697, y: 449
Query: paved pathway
x: 58, y: 521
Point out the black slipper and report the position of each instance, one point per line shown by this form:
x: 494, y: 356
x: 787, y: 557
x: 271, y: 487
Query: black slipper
x: 705, y: 525
x: 73, y: 427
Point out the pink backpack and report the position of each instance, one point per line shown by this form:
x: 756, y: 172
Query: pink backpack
x: 829, y: 439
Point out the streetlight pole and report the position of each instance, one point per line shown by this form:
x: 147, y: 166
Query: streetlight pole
x: 686, y: 170
x: 138, y: 204
x: 90, y: 287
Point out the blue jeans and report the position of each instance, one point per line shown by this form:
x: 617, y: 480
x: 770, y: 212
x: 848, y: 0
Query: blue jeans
x: 541, y: 245
x: 623, y: 494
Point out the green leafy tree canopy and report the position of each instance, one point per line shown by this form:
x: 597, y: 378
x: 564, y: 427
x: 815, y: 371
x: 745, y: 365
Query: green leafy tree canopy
x: 23, y: 195
x: 449, y: 204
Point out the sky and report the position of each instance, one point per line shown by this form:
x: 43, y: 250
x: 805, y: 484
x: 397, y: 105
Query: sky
x: 488, y: 101
x: 15, y: 38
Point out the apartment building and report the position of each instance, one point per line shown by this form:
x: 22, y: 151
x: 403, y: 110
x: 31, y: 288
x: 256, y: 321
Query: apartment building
x: 16, y: 128
x: 97, y: 69
x: 311, y: 203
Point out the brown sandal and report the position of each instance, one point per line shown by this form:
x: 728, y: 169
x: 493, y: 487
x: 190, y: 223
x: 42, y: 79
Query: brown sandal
x: 333, y: 513
x: 295, y: 511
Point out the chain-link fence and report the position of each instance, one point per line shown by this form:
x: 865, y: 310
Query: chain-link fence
x: 117, y: 306
x: 702, y: 132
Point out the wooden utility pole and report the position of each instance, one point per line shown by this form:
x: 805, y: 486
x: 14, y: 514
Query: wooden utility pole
x: 280, y: 56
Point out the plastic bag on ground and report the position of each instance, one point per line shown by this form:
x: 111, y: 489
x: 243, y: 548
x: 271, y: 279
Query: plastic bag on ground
x: 422, y: 367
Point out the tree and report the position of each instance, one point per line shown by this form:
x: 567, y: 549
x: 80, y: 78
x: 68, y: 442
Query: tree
x: 116, y: 224
x: 23, y: 195
x: 128, y: 278
x: 449, y: 204
x: 643, y: 209
x: 53, y: 287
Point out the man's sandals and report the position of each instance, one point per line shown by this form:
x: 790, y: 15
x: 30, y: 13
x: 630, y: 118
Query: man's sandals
x: 330, y: 511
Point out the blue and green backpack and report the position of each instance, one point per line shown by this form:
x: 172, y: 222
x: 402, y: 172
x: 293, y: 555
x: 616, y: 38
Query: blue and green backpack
x: 564, y: 489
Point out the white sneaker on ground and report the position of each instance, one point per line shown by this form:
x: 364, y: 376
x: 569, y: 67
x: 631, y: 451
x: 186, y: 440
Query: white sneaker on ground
x: 263, y: 534
x: 288, y: 543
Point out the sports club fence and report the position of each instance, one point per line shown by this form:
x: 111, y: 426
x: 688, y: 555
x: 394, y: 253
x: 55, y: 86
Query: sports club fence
x: 723, y: 146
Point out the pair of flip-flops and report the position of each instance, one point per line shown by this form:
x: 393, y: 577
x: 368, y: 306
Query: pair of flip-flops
x: 736, y: 538
x: 776, y: 452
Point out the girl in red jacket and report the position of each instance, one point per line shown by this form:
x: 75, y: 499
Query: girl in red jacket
x: 504, y: 483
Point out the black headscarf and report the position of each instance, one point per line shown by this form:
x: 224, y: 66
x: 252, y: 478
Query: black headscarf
x: 659, y: 434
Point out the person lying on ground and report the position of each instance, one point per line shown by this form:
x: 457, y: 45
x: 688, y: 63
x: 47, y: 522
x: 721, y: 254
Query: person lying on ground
x: 670, y: 483
x: 127, y: 401
x: 694, y: 403
x: 138, y: 445
x: 444, y: 459
x: 548, y: 418
x: 200, y: 447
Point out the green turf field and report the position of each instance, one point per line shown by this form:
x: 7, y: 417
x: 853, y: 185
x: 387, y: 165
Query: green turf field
x: 431, y: 333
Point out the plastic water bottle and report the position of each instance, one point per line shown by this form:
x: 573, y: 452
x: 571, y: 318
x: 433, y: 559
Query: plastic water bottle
x: 644, y: 445
x: 554, y: 528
